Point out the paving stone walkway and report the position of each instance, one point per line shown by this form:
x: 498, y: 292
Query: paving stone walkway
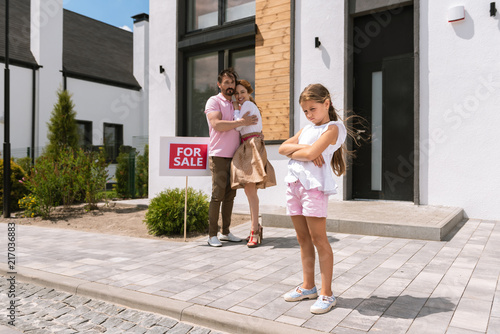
x: 44, y: 310
x: 383, y: 284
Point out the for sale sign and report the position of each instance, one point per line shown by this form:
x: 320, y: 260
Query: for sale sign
x: 184, y: 156
x: 188, y: 156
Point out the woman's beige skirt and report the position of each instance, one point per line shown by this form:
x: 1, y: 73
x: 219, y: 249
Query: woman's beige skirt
x: 250, y: 164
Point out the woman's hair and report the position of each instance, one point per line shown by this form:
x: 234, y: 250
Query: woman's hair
x: 249, y: 89
x: 319, y: 93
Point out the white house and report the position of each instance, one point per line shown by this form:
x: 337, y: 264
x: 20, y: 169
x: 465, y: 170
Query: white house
x: 105, y: 69
x: 423, y: 73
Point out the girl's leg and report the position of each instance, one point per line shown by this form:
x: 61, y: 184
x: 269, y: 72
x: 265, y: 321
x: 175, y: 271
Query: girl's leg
x: 306, y: 250
x: 317, y: 230
x: 253, y: 202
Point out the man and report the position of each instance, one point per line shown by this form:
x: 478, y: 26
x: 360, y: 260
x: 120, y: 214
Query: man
x: 224, y: 140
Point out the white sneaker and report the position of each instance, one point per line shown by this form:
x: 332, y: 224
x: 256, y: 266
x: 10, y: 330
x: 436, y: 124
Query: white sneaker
x: 229, y: 237
x: 323, y: 304
x: 214, y: 242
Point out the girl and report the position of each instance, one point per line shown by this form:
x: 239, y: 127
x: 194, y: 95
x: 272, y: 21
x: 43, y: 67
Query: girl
x: 310, y: 182
x: 249, y: 168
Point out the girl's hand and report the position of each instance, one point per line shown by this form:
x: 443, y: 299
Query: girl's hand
x: 319, y: 161
x: 236, y: 105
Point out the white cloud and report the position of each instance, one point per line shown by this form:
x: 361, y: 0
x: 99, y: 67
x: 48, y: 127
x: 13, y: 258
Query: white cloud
x: 126, y: 28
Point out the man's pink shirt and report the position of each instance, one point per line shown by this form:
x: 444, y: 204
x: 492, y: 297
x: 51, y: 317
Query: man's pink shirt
x: 222, y: 143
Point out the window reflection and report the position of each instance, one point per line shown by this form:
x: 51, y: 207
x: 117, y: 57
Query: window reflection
x: 202, y: 83
x: 238, y: 9
x: 244, y: 64
x: 205, y: 13
x: 202, y: 14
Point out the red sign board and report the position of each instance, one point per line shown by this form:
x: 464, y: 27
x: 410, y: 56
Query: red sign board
x: 188, y: 156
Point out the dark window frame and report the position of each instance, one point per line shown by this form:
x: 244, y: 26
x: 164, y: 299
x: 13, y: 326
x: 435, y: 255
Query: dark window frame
x: 223, y: 38
x: 88, y: 133
x: 112, y: 158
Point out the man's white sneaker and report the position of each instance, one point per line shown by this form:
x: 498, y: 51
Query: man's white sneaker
x: 214, y: 242
x: 229, y: 237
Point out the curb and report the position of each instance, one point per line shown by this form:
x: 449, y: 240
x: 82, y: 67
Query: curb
x: 205, y: 316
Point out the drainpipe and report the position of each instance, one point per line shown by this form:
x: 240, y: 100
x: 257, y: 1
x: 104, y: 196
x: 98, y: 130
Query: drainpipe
x: 33, y: 115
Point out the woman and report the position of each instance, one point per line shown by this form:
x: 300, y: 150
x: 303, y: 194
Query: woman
x: 250, y: 168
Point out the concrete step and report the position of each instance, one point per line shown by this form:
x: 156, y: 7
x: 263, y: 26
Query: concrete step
x: 379, y: 218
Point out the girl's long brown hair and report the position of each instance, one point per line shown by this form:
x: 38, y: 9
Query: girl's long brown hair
x: 319, y: 93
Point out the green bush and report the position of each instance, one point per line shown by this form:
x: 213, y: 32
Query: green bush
x: 45, y: 185
x: 141, y: 173
x: 124, y: 182
x: 62, y: 126
x: 25, y: 164
x: 165, y: 215
x: 17, y: 187
x: 73, y: 176
x: 92, y: 176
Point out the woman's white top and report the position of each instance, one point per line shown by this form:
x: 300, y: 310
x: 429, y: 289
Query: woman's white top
x: 309, y: 175
x: 238, y: 114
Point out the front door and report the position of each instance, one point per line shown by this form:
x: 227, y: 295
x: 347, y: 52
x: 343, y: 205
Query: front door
x: 384, y: 95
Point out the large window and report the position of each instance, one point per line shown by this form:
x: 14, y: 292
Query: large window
x: 203, y: 14
x: 84, y: 129
x: 217, y: 34
x: 113, y: 139
x: 201, y: 84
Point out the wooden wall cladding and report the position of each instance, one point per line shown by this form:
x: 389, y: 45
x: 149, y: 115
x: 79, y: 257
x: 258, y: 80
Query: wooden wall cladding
x: 272, y: 66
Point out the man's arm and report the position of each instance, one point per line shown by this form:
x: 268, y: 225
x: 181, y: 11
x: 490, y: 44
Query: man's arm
x: 216, y: 122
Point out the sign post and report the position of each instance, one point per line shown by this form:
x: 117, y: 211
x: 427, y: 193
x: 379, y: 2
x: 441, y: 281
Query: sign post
x: 184, y: 156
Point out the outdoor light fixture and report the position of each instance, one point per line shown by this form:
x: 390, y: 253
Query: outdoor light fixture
x: 493, y: 9
x: 456, y: 13
x: 162, y: 69
x: 317, y: 43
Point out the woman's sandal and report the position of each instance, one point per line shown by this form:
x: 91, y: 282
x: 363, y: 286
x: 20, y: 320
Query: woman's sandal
x: 261, y: 230
x: 254, y: 239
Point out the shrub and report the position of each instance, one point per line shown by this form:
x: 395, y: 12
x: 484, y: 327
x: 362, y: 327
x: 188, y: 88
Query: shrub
x: 30, y: 206
x: 25, y: 164
x: 141, y: 173
x: 92, y: 176
x: 62, y: 127
x: 74, y: 176
x: 17, y: 187
x: 45, y: 185
x: 165, y: 215
x: 125, y: 165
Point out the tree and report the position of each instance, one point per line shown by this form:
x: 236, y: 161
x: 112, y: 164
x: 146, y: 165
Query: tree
x: 63, y: 132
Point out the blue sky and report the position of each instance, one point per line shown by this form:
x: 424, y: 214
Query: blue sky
x: 115, y: 12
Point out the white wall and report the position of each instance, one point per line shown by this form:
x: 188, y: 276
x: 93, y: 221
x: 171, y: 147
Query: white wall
x: 141, y: 66
x: 325, y: 65
x: 20, y: 109
x: 46, y: 45
x: 459, y: 107
x: 107, y: 104
x: 162, y: 89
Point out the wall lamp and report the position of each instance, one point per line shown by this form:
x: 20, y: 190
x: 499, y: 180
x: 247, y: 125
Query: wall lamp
x: 317, y: 43
x: 456, y: 13
x: 162, y: 69
x: 493, y: 10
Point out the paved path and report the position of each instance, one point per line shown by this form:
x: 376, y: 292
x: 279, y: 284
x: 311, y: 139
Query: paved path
x: 383, y: 284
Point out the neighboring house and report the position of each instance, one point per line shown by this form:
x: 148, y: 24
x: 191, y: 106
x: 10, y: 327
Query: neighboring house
x: 428, y: 87
x: 103, y: 67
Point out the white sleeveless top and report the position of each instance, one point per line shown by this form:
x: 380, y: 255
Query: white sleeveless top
x: 309, y: 175
x: 254, y: 110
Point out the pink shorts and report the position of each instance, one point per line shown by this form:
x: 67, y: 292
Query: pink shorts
x: 303, y: 202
